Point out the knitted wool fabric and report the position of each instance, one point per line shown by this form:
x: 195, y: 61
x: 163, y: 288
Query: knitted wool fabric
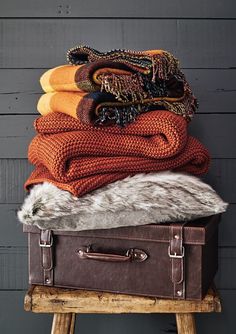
x: 81, y: 158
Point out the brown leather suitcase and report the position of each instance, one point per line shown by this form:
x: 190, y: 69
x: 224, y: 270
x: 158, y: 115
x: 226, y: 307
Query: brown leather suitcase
x: 176, y: 261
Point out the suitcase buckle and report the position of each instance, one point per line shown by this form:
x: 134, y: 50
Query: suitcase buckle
x: 45, y: 244
x: 175, y: 256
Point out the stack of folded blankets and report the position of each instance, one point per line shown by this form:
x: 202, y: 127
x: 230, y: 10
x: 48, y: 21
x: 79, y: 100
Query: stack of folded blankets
x: 112, y: 145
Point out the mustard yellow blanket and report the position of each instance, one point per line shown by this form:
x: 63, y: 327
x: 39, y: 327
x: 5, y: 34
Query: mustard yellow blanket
x: 124, y: 84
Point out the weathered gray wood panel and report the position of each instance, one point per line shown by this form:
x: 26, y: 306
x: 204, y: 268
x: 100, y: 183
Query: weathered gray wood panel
x: 220, y: 323
x: 221, y: 177
x: 122, y: 8
x: 227, y: 228
x: 14, y: 268
x: 14, y: 319
x: 215, y: 90
x: 35, y: 43
x: 197, y: 43
x: 19, y: 91
x: 17, y: 131
x: 13, y: 174
x: 15, y: 135
x: 216, y: 132
x: 226, y: 276
x: 10, y: 228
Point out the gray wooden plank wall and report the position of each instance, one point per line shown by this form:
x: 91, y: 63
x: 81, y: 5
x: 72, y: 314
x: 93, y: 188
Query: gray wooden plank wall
x: 34, y: 36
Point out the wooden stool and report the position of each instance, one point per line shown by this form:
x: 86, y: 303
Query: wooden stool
x: 65, y: 303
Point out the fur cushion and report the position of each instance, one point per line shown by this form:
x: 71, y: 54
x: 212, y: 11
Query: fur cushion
x: 136, y: 200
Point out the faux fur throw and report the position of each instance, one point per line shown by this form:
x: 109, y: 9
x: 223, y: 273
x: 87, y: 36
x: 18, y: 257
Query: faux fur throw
x: 81, y: 158
x: 137, y: 200
x: 134, y: 82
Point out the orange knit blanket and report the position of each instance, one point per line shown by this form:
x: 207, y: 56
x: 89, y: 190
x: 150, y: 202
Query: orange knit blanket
x: 80, y: 158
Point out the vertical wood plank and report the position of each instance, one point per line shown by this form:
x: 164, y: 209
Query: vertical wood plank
x: 185, y: 323
x: 63, y: 323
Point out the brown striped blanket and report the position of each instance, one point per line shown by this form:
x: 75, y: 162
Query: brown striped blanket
x: 120, y: 85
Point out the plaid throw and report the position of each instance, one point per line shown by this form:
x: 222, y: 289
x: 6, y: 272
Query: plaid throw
x: 125, y: 83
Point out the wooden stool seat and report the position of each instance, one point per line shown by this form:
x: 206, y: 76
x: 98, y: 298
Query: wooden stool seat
x: 65, y: 303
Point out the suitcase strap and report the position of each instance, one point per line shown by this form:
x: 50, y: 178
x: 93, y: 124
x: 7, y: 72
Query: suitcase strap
x: 176, y: 252
x: 45, y: 243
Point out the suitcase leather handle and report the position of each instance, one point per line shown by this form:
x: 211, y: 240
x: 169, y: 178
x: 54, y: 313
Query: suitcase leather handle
x: 132, y: 254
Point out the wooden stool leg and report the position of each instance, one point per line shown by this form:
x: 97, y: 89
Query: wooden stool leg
x: 185, y: 323
x: 63, y: 323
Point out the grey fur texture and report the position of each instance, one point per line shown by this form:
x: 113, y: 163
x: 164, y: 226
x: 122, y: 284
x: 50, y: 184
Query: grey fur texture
x: 136, y: 200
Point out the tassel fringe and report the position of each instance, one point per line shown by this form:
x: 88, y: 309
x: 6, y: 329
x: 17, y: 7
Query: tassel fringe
x: 120, y: 115
x: 162, y: 65
x: 132, y: 88
x: 138, y: 86
x: 125, y: 87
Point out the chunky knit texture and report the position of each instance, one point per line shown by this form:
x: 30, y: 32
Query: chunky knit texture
x: 80, y: 158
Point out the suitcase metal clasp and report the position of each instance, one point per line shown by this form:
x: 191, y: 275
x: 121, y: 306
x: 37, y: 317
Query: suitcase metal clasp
x: 175, y: 256
x: 45, y: 244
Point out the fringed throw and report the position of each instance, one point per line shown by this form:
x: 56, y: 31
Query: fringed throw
x: 131, y: 77
x: 162, y: 64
